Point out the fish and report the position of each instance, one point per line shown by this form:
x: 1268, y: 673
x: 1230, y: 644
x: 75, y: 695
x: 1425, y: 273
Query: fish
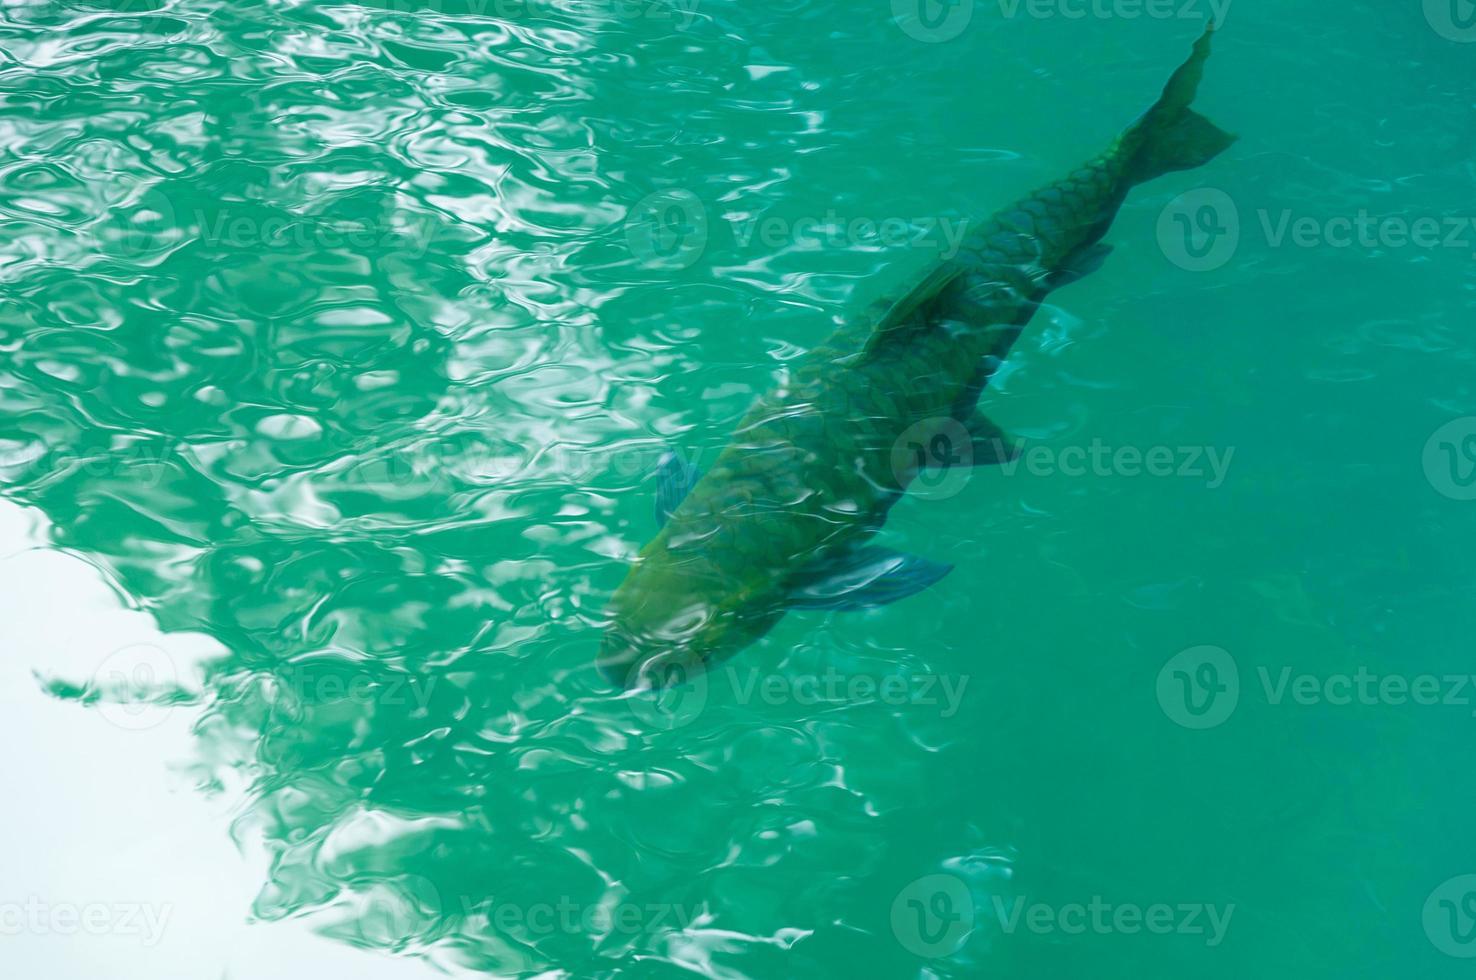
x: 783, y: 518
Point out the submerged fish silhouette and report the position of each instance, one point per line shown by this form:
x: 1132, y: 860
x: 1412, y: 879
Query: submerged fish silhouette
x: 781, y: 519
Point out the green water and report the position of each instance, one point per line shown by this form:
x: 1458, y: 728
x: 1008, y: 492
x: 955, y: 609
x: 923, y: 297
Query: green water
x: 348, y: 335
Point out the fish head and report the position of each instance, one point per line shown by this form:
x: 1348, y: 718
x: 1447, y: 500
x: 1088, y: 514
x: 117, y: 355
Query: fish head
x: 672, y: 619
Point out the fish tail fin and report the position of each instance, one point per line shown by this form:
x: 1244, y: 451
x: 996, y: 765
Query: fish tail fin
x: 1171, y: 136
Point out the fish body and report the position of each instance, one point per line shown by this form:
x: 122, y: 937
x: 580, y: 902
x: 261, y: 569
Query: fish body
x: 781, y: 519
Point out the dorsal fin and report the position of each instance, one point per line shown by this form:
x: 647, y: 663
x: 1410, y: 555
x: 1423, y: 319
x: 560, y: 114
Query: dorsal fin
x: 898, y: 318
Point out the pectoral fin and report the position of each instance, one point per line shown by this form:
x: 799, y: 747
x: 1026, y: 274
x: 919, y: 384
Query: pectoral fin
x: 675, y: 478
x: 898, y: 318
x: 990, y: 444
x: 864, y: 578
x: 1080, y: 264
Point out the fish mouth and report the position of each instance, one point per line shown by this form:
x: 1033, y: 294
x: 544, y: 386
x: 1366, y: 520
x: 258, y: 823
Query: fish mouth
x: 642, y: 650
x: 630, y: 663
x: 624, y: 658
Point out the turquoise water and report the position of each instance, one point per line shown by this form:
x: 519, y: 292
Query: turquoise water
x: 348, y: 336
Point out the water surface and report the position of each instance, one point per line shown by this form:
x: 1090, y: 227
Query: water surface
x: 345, y: 336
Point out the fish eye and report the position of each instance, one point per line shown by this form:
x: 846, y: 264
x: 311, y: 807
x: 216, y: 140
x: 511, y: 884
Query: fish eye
x: 685, y: 623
